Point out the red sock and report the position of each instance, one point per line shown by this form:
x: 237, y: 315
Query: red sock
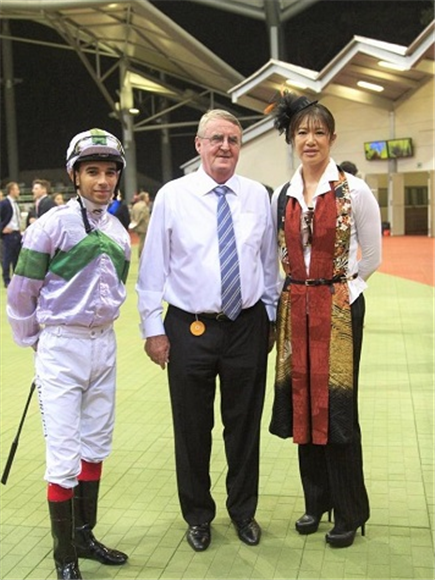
x: 56, y: 492
x: 90, y: 471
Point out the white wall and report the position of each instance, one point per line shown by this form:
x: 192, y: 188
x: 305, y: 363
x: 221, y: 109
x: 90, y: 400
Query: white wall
x: 415, y: 118
x: 267, y: 158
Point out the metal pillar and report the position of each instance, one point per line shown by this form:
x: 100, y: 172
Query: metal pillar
x: 128, y: 140
x: 272, y: 13
x: 165, y: 140
x: 130, y: 174
x: 165, y: 147
x: 9, y: 97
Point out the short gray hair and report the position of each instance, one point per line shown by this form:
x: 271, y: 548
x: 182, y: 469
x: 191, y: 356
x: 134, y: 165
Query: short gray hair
x: 217, y: 114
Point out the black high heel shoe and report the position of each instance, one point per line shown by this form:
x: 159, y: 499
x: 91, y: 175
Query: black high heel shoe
x: 309, y: 524
x: 338, y: 539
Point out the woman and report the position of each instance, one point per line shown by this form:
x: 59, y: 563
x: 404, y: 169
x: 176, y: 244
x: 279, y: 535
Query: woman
x: 59, y: 199
x: 325, y: 220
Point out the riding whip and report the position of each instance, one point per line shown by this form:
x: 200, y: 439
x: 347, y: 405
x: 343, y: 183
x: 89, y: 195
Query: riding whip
x: 14, y: 445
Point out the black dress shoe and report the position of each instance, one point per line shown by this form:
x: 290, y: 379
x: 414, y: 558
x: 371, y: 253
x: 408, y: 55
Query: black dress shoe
x: 342, y: 539
x: 309, y: 524
x: 248, y: 531
x: 199, y: 537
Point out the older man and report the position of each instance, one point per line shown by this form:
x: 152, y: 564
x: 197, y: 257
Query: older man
x: 210, y: 254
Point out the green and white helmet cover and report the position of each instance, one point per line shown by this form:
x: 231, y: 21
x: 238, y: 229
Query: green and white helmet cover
x: 95, y: 145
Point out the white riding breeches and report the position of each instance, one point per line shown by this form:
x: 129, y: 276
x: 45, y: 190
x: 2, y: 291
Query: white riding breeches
x: 76, y: 381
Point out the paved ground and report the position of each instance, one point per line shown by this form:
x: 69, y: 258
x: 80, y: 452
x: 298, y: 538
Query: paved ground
x: 139, y: 510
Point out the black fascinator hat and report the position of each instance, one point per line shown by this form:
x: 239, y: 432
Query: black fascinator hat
x: 284, y: 108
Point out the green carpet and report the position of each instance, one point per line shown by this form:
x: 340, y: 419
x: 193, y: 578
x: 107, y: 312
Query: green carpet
x: 139, y: 510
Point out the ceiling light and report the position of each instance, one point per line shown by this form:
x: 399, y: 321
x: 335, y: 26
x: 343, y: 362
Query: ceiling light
x: 370, y: 86
x: 295, y: 84
x: 134, y: 111
x: 391, y: 65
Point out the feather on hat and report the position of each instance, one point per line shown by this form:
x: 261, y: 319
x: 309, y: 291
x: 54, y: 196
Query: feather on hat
x: 285, y: 107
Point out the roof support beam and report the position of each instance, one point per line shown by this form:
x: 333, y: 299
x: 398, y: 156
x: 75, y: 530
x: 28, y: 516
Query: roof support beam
x: 66, y: 34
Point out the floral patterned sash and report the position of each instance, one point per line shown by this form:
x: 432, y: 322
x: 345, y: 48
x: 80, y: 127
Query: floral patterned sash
x: 314, y: 367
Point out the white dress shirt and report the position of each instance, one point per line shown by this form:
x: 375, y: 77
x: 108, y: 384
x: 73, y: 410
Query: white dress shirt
x: 180, y: 261
x: 366, y: 232
x: 15, y: 221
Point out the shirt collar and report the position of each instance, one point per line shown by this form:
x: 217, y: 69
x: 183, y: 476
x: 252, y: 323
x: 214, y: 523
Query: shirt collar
x: 330, y: 174
x: 206, y: 183
x: 94, y: 209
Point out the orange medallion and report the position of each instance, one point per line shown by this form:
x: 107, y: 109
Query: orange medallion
x: 197, y: 328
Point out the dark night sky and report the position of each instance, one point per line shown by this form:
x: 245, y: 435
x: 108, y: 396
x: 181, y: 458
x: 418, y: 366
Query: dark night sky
x: 56, y: 98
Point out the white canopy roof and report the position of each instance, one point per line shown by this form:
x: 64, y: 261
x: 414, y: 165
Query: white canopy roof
x: 395, y: 71
x: 132, y: 38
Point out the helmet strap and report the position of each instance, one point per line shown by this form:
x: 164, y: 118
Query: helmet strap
x: 86, y: 223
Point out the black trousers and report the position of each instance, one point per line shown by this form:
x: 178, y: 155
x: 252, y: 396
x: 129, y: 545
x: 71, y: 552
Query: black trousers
x: 11, y: 251
x: 236, y: 353
x: 332, y: 475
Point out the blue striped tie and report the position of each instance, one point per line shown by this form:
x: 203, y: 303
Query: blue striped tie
x: 229, y: 261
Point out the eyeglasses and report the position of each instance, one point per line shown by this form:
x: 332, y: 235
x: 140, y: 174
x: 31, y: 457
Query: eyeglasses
x: 218, y: 140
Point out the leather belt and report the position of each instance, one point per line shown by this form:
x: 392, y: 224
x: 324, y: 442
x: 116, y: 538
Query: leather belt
x: 219, y: 316
x: 321, y: 281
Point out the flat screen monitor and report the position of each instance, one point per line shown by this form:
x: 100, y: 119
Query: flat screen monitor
x: 375, y: 150
x: 399, y: 148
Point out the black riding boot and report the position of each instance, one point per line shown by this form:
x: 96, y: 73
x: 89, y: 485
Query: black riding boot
x: 85, y: 512
x: 62, y: 527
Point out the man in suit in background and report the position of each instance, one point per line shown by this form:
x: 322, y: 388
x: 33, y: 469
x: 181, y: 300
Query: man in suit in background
x: 10, y: 230
x: 41, y: 189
